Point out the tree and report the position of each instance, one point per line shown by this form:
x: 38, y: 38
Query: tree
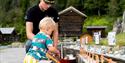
x: 72, y: 3
x: 95, y: 6
x: 113, y: 8
x: 121, y: 6
x: 60, y: 4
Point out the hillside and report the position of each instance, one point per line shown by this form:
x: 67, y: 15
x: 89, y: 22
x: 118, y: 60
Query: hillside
x: 12, y: 12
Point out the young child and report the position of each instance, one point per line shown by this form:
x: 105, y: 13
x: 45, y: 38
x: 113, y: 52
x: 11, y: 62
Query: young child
x: 42, y: 43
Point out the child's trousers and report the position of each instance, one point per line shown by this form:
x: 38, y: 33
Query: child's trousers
x: 30, y: 59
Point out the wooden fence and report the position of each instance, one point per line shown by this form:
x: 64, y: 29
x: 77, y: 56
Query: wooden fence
x: 95, y: 58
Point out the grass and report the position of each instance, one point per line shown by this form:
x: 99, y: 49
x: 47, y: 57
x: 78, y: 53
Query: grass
x: 100, y: 21
x: 120, y: 40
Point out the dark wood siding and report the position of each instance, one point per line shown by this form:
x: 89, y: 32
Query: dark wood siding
x: 70, y: 24
x: 13, y: 37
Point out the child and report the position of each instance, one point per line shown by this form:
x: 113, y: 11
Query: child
x: 42, y: 43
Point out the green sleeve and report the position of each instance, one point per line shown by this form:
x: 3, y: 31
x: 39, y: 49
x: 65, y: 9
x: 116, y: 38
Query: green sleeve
x: 49, y: 42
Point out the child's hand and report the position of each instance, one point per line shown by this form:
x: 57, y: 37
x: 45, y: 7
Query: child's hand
x: 58, y: 53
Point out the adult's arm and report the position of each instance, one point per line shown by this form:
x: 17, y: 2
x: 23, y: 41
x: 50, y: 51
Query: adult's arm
x: 55, y: 36
x: 29, y: 30
x: 52, y: 12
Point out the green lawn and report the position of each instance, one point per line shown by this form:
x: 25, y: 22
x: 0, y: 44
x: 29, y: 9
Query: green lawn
x: 120, y: 40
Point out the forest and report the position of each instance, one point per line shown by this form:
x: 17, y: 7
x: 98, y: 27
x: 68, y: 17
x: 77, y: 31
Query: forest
x: 99, y: 12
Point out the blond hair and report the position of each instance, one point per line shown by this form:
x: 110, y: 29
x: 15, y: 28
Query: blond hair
x: 47, y: 23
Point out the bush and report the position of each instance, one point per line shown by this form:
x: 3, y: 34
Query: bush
x: 120, y: 39
x: 104, y: 42
x: 91, y: 43
x: 100, y: 21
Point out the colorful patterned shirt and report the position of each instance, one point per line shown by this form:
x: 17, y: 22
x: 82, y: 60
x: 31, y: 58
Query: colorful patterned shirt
x: 39, y: 46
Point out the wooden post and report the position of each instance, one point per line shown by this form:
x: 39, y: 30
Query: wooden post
x: 52, y: 58
x: 92, y: 56
x: 102, y: 59
x: 97, y: 59
x: 109, y: 60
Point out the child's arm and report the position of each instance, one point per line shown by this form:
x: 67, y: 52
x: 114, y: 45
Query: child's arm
x: 53, y: 49
x: 50, y: 46
x: 51, y: 57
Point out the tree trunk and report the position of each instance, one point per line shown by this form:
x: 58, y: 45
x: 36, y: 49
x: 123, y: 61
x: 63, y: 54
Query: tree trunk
x: 123, y: 22
x: 99, y: 14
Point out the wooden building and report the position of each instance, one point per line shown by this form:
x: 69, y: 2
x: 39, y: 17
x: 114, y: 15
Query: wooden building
x: 8, y: 35
x: 101, y: 29
x: 89, y: 35
x: 71, y: 22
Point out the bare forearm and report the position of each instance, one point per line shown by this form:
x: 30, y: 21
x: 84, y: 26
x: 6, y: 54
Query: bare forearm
x: 29, y: 29
x: 53, y: 49
x: 30, y: 36
x: 55, y: 36
x: 55, y: 39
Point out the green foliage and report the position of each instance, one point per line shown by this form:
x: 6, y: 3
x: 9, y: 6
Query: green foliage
x: 12, y: 12
x: 97, y: 7
x: 100, y: 21
x: 120, y: 39
x: 116, y: 7
x: 94, y: 7
x: 72, y: 2
x: 91, y: 43
x: 113, y: 7
x: 5, y: 43
x: 104, y: 41
x: 11, y: 15
x: 61, y: 4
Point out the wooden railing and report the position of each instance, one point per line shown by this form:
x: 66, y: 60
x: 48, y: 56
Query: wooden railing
x: 95, y: 58
x: 52, y: 58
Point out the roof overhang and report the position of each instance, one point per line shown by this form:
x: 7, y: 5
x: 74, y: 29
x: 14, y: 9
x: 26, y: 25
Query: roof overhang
x: 71, y: 8
x: 7, y: 30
